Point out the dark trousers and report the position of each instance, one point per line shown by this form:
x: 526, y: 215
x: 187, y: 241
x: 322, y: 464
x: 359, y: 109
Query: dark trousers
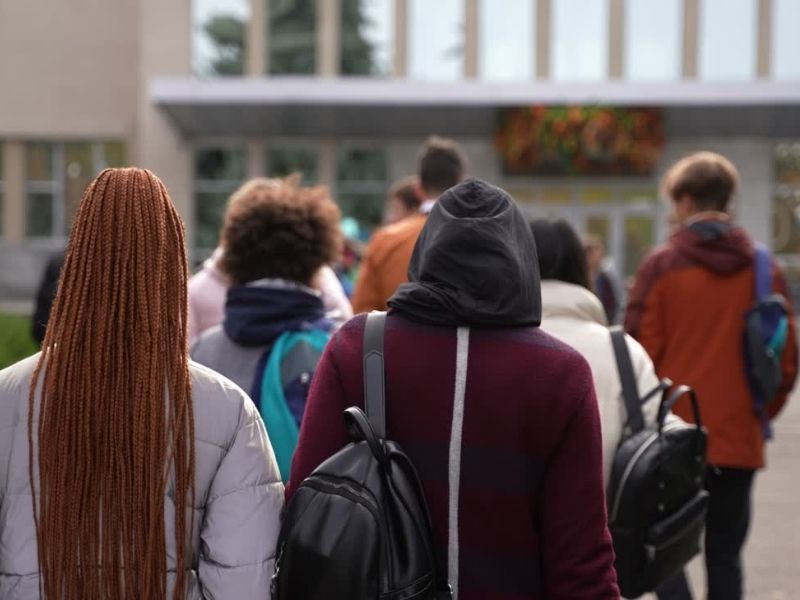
x: 727, y: 523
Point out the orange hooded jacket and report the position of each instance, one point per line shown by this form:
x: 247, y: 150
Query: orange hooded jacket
x: 687, y: 309
x: 385, y: 264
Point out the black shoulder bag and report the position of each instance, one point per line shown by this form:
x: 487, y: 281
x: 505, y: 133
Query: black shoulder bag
x: 657, y: 502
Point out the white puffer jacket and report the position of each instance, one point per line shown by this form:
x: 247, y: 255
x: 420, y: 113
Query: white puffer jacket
x: 574, y: 315
x: 239, y: 494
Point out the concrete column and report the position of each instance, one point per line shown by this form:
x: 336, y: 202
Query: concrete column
x: 471, y: 41
x: 165, y: 50
x: 326, y: 174
x: 616, y: 39
x: 764, y: 57
x: 255, y: 45
x: 329, y: 20
x: 13, y: 191
x: 543, y: 39
x: 400, y: 38
x: 691, y: 26
x: 255, y: 158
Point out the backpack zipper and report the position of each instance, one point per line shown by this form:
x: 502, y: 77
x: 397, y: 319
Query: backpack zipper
x: 326, y: 483
x: 632, y: 463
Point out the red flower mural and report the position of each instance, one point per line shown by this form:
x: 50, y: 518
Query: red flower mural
x: 573, y: 140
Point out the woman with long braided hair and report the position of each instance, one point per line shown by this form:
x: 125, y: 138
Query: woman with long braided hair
x: 154, y: 477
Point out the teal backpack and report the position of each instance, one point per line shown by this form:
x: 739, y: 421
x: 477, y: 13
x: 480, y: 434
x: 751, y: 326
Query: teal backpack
x: 293, y: 357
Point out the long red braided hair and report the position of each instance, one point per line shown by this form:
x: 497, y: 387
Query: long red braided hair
x: 111, y: 425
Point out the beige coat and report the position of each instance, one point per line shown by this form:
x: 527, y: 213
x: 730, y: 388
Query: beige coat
x: 574, y: 315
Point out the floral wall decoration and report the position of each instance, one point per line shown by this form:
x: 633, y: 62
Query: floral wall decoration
x: 577, y: 140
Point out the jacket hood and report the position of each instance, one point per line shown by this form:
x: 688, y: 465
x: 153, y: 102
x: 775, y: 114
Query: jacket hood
x: 561, y: 299
x: 474, y: 263
x: 716, y: 245
x: 257, y: 313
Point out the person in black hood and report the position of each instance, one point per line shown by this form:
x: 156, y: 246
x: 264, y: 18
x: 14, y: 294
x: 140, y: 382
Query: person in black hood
x: 499, y: 418
x: 474, y: 263
x: 275, y: 238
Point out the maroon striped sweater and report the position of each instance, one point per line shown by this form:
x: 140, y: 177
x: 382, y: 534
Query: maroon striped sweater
x: 532, y: 518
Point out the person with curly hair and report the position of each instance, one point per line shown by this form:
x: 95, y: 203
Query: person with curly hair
x: 275, y: 237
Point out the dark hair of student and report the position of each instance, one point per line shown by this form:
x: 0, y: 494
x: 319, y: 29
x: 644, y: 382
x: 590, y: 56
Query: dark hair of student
x: 406, y: 190
x: 441, y: 164
x: 561, y: 254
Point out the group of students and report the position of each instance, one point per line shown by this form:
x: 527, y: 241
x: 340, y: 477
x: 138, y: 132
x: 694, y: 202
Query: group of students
x: 149, y: 449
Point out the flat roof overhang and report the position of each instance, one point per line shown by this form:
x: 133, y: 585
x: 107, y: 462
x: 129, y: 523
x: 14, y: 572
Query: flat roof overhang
x: 355, y: 107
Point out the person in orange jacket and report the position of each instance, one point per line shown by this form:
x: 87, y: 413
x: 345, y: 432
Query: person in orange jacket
x: 687, y: 309
x: 441, y: 164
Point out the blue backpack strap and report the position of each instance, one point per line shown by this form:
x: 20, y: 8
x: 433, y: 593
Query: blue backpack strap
x: 282, y: 427
x: 763, y: 271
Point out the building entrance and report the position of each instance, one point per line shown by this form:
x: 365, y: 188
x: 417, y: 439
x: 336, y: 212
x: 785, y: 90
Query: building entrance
x: 626, y: 216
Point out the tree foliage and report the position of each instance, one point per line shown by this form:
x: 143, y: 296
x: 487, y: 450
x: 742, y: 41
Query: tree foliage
x: 292, y: 40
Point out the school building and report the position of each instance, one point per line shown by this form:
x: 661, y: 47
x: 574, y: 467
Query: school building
x: 577, y: 107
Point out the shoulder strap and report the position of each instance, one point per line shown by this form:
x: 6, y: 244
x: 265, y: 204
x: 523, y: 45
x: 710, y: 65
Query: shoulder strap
x: 627, y: 378
x: 454, y: 468
x: 763, y: 271
x: 374, y: 393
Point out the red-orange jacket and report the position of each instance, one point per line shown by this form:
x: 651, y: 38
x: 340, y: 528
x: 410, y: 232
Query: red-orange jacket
x: 385, y: 264
x: 687, y: 309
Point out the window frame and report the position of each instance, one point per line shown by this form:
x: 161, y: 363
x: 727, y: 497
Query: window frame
x: 56, y: 185
x: 214, y: 186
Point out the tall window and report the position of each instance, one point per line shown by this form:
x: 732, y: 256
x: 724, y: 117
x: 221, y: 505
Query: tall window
x: 292, y: 39
x: 292, y: 158
x: 579, y: 30
x: 436, y: 39
x: 786, y: 225
x: 367, y: 37
x: 507, y: 36
x: 785, y: 39
x: 56, y: 176
x: 218, y: 171
x: 218, y: 36
x: 786, y: 214
x: 362, y: 176
x: 728, y: 39
x: 653, y: 40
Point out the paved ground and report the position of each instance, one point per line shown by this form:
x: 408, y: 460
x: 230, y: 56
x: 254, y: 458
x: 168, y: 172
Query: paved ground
x: 773, y: 549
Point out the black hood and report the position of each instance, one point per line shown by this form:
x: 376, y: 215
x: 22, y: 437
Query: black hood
x: 474, y: 263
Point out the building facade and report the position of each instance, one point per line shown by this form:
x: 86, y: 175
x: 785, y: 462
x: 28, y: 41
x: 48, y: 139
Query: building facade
x: 209, y: 92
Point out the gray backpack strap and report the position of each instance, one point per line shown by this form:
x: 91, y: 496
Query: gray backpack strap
x: 628, y: 380
x: 374, y: 392
x: 456, y: 437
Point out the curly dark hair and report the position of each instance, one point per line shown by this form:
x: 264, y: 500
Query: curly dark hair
x: 274, y: 228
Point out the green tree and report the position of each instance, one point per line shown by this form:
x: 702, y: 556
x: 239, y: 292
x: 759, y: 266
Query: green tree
x: 227, y: 34
x: 292, y: 39
x: 357, y: 51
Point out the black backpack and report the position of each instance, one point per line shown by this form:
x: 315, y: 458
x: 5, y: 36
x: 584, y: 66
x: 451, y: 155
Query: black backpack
x: 657, y: 501
x: 358, y: 527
